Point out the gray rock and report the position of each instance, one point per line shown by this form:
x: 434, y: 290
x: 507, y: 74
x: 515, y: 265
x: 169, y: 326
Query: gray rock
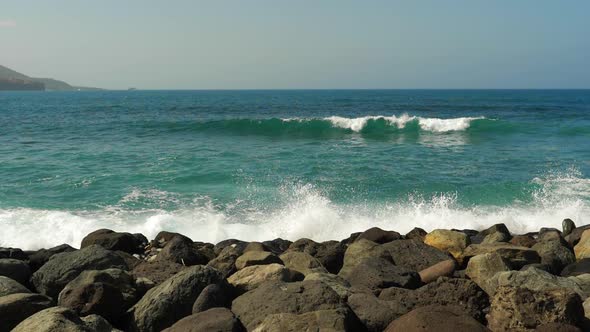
x: 213, y: 296
x: 183, y: 251
x: 337, y: 283
x: 330, y: 253
x: 225, y: 262
x: 302, y: 262
x: 41, y: 256
x: 15, y: 308
x: 554, y: 254
x: 58, y: 319
x: 580, y: 267
x: 335, y: 320
x: 376, y: 314
x: 173, y: 299
x: 378, y: 273
x: 15, y: 269
x: 111, y: 240
x: 482, y: 268
x: 413, y: 255
x: 515, y: 256
x: 156, y: 271
x: 215, y: 319
x: 493, y: 233
x: 535, y: 279
x: 250, y: 258
x: 9, y: 286
x: 251, y: 277
x: 436, y: 318
x: 378, y: 235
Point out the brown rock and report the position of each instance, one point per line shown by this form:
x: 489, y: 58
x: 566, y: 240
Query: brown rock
x: 378, y: 235
x: 215, y: 320
x: 302, y: 262
x: 335, y: 320
x: 523, y: 241
x: 436, y: 318
x: 446, y: 240
x: 112, y: 240
x: 250, y: 258
x: 157, y: 271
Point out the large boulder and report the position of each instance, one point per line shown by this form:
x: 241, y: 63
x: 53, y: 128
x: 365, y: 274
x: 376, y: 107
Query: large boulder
x: 183, y: 251
x: 523, y: 309
x: 413, y: 254
x: 436, y: 318
x: 567, y: 226
x: 213, y: 296
x: 555, y: 253
x: 41, y: 256
x: 447, y: 240
x: 334, y: 320
x: 112, y: 240
x: 557, y: 327
x: 482, y: 268
x: 536, y: 279
x: 225, y: 262
x: 376, y: 273
x: 251, y: 277
x: 515, y: 256
x: 215, y: 319
x: 108, y: 293
x: 15, y: 269
x: 495, y: 233
x: 156, y: 271
x: 256, y: 257
x: 63, y: 320
x: 62, y: 268
x: 14, y: 253
x: 376, y: 314
x: 337, y: 283
x: 302, y: 262
x: 9, y: 286
x: 524, y: 240
x: 15, y: 308
x: 582, y: 249
x: 277, y: 246
x: 173, y: 299
x: 330, y: 253
x: 356, y: 252
x: 276, y: 297
x: 580, y: 267
x: 378, y: 235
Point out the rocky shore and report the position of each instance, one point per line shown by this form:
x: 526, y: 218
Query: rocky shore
x: 377, y: 280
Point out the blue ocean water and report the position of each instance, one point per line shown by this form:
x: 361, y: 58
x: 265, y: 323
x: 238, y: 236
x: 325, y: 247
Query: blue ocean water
x: 258, y: 165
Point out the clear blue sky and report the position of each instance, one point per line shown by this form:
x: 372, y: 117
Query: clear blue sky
x: 300, y: 43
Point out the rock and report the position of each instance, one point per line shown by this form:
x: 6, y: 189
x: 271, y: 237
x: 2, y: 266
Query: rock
x: 338, y: 284
x: 60, y: 319
x: 213, y: 296
x: 62, y: 268
x: 13, y: 253
x: 182, y: 250
x: 96, y: 323
x: 416, y: 234
x: 378, y: 273
x: 557, y: 327
x: 414, y: 255
x: 335, y: 320
x: 376, y: 314
x: 330, y: 253
x: 130, y: 261
x: 255, y: 246
x: 225, y: 262
x: 250, y: 258
x: 163, y: 237
x: 482, y: 268
x: 582, y: 249
x: 302, y: 262
x: 537, y: 280
x: 112, y: 240
x: 156, y: 271
x: 173, y: 299
x: 9, y: 286
x: 277, y: 246
x: 574, y: 237
x: 543, y: 267
x: 251, y: 277
x: 356, y: 252
x: 436, y: 318
x: 567, y: 226
x: 215, y: 319
x: 523, y: 309
x: 238, y: 244
x: 523, y: 241
x: 378, y: 235
x: 15, y: 269
x: 515, y: 256
x: 15, y: 308
x: 496, y: 233
x: 445, y: 240
x: 547, y: 234
x: 580, y: 267
x: 108, y: 293
x: 275, y: 297
x: 441, y: 269
x: 554, y: 254
x: 40, y: 257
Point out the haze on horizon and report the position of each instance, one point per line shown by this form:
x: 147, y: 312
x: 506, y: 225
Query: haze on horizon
x: 255, y: 44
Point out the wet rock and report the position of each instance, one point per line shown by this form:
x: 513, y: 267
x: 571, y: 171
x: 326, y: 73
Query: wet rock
x: 17, y: 307
x: 446, y: 240
x: 554, y: 253
x: 238, y: 244
x: 515, y: 256
x: 523, y: 309
x: 580, y: 267
x: 416, y: 234
x: 537, y: 280
x: 277, y: 246
x: 156, y: 271
x: 441, y: 269
x: 182, y: 250
x: 378, y: 235
x: 173, y: 299
x: 215, y: 319
x: 9, y: 286
x: 213, y: 296
x: 378, y: 273
x: 336, y: 320
x: 567, y: 226
x: 495, y: 233
x: 251, y: 277
x: 15, y: 269
x: 62, y: 268
x: 302, y: 262
x: 482, y: 268
x: 112, y: 240
x: 40, y: 257
x: 523, y: 241
x: 251, y: 258
x: 337, y: 283
x: 436, y: 318
x: 61, y: 319
x: 276, y: 297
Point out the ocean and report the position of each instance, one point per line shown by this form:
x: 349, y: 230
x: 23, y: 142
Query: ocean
x: 258, y: 165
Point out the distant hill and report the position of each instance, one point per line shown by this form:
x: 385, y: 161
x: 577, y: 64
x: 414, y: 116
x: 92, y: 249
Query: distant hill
x: 13, y: 80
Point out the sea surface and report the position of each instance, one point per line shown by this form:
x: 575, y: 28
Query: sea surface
x: 258, y: 165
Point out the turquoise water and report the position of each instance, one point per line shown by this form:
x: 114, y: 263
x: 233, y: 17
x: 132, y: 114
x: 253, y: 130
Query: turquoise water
x: 265, y: 164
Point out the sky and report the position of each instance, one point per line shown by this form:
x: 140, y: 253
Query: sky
x: 300, y: 44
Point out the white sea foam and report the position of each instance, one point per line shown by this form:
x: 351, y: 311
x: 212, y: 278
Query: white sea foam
x: 305, y: 213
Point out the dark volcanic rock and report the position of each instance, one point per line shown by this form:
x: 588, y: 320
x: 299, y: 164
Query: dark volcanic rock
x: 330, y: 253
x: 436, y: 318
x: 156, y: 271
x: 496, y: 233
x: 10, y: 286
x: 523, y: 241
x: 277, y: 297
x: 213, y: 296
x: 52, y: 277
x: 225, y: 262
x: 173, y: 299
x: 580, y: 267
x: 17, y: 307
x: 250, y: 258
x: 15, y: 269
x: 13, y: 253
x: 416, y: 234
x: 112, y: 240
x: 62, y: 319
x: 567, y: 226
x: 40, y: 257
x: 554, y: 253
x: 557, y: 327
x: 183, y: 251
x: 376, y: 314
x: 515, y: 256
x: 414, y: 255
x: 215, y: 319
x: 334, y: 320
x: 277, y: 246
x: 238, y: 244
x: 378, y: 235
x: 377, y: 273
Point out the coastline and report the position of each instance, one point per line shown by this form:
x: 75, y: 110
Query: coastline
x: 376, y: 280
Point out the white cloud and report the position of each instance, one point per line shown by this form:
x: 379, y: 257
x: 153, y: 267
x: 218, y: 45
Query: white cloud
x: 7, y: 23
